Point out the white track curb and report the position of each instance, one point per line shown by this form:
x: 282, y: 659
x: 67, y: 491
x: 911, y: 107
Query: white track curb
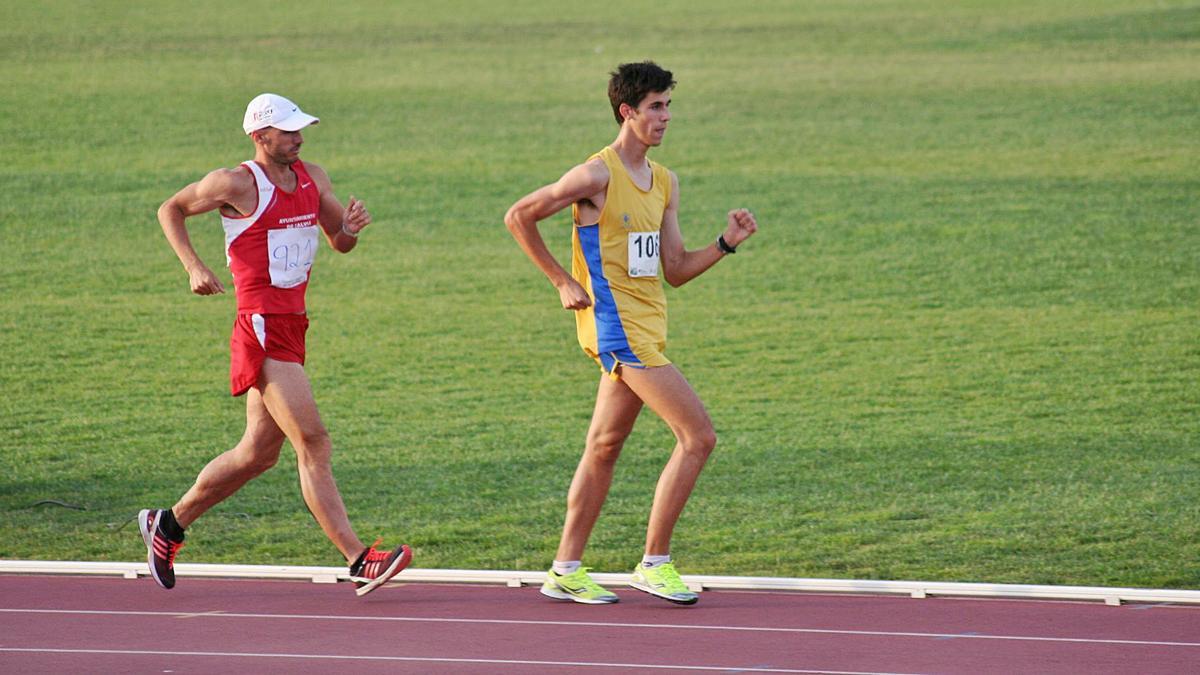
x: 914, y: 589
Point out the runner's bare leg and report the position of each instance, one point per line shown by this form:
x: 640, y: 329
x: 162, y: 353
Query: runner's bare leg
x: 257, y: 451
x: 668, y: 394
x: 617, y: 408
x: 289, y: 399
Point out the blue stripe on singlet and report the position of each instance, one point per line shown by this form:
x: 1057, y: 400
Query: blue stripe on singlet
x: 610, y: 333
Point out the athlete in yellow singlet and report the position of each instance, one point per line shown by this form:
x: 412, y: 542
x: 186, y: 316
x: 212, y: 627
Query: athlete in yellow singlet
x: 615, y: 259
x: 627, y: 234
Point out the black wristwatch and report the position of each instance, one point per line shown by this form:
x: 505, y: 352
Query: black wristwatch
x: 724, y: 245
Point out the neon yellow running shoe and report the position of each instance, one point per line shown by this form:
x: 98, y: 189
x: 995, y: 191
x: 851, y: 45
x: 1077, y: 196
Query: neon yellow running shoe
x: 664, y: 582
x: 577, y: 586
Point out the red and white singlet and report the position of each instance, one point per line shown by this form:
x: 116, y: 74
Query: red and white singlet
x: 270, y: 252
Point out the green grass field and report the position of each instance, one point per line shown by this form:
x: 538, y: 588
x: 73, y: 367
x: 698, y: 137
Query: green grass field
x: 965, y: 345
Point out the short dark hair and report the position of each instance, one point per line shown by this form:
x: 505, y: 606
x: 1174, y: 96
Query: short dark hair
x: 631, y: 82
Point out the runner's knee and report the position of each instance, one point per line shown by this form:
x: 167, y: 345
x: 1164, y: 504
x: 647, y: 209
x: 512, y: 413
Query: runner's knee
x: 260, y: 450
x: 700, y: 443
x: 265, y: 439
x: 605, y: 446
x: 259, y: 463
x: 259, y: 455
x: 314, y: 447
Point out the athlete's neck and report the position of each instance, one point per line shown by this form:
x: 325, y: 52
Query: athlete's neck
x: 631, y: 150
x: 280, y: 173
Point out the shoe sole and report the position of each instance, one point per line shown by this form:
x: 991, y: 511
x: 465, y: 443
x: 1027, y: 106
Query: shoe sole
x: 147, y: 527
x: 563, y: 595
x: 658, y: 594
x: 392, y: 570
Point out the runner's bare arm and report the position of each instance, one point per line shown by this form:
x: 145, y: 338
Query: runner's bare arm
x: 340, y: 225
x: 680, y: 265
x: 584, y: 181
x: 220, y: 187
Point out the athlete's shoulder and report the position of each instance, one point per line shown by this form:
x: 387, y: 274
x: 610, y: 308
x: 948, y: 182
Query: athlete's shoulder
x: 319, y: 175
x: 226, y: 183
x: 597, y: 169
x: 585, y: 179
x: 313, y: 169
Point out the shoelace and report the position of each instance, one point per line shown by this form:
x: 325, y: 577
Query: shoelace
x: 172, y: 548
x: 374, y: 555
x: 372, y: 561
x: 586, y: 580
x: 670, y: 576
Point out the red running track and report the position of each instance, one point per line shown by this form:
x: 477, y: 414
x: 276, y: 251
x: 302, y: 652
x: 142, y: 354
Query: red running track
x: 90, y: 624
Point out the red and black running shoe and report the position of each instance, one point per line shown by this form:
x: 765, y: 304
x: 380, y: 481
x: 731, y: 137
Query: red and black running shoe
x: 373, y: 568
x: 160, y: 550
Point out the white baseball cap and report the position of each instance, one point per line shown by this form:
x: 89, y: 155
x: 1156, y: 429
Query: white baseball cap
x: 273, y: 110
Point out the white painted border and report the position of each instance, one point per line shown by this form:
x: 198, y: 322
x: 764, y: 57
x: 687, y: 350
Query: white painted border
x: 915, y: 589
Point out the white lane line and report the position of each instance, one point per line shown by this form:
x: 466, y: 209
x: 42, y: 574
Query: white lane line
x: 215, y: 612
x: 432, y: 659
x: 600, y: 624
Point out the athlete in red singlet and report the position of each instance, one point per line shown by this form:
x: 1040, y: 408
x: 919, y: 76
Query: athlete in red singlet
x: 273, y: 208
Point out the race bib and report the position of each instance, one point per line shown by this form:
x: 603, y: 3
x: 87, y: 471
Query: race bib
x: 643, y: 254
x: 291, y: 252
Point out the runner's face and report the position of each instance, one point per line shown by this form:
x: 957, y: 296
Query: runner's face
x: 282, y: 146
x: 650, y: 118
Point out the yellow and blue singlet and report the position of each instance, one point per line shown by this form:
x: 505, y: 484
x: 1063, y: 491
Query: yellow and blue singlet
x: 616, y: 260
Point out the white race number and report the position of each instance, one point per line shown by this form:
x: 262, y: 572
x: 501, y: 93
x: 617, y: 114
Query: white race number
x: 291, y: 254
x: 643, y: 254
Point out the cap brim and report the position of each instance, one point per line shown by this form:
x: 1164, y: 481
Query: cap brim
x: 295, y: 122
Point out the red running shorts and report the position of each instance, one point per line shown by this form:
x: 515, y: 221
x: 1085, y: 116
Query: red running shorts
x: 257, y: 336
